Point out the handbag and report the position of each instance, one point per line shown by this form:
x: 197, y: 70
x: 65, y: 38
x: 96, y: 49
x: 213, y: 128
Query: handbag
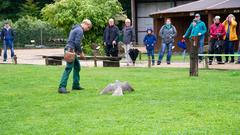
x: 69, y: 56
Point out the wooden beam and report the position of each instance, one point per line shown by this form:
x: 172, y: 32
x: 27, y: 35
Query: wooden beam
x: 133, y: 11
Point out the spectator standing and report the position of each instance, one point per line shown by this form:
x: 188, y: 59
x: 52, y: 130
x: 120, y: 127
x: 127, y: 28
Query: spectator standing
x: 167, y: 32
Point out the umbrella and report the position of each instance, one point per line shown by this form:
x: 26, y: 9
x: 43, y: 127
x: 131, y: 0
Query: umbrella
x: 133, y: 53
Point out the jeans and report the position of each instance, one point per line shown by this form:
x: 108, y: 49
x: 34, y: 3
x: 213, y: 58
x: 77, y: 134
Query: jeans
x: 8, y: 44
x: 162, y: 51
x: 126, y: 49
x: 201, y: 45
x: 75, y: 65
x: 150, y: 52
x: 229, y: 49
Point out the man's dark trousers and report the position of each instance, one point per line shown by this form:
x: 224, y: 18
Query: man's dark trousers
x: 76, y: 77
x: 112, y: 50
x: 216, y: 47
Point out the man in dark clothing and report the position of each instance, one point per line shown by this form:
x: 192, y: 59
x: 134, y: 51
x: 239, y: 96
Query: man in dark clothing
x: 110, y: 38
x: 128, y: 38
x: 217, y: 32
x: 74, y: 45
x: 7, y: 35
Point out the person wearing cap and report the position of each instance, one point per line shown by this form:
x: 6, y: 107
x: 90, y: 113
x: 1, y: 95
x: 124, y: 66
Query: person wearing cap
x: 150, y: 41
x: 230, y: 25
x: 167, y: 32
x: 128, y: 39
x: 110, y: 39
x: 197, y: 31
x: 7, y: 36
x: 217, y: 32
x: 74, y: 45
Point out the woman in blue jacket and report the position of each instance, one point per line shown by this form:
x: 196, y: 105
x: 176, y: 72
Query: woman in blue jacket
x: 150, y: 41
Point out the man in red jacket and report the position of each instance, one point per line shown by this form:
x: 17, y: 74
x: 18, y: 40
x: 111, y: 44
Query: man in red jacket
x: 217, y: 32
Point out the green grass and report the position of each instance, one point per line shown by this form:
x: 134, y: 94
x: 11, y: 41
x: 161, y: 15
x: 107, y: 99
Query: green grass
x: 166, y: 101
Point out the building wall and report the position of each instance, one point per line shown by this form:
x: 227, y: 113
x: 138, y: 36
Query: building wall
x: 144, y: 21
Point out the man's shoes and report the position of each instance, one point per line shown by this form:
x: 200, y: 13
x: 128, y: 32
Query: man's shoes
x: 232, y: 61
x: 210, y: 63
x: 159, y: 62
x: 168, y: 62
x: 77, y: 88
x: 220, y: 62
x: 63, y: 90
x: 238, y: 62
x: 226, y: 61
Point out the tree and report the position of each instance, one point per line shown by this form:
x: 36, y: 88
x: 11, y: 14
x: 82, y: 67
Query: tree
x: 65, y: 13
x: 30, y: 8
x: 126, y: 4
x: 11, y: 9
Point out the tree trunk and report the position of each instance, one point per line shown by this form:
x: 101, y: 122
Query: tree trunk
x: 194, y: 56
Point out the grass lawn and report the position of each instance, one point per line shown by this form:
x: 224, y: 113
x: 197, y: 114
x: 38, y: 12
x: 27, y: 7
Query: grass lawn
x: 166, y: 101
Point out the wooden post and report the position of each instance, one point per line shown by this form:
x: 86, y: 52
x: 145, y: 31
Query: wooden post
x: 194, y: 56
x: 206, y: 62
x: 15, y: 59
x: 95, y: 58
x: 149, y: 62
x: 133, y: 11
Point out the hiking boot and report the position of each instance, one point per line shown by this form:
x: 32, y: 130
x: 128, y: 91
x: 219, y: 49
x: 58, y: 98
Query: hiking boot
x: 63, y: 90
x: 77, y: 88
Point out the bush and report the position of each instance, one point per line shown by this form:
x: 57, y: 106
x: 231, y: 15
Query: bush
x: 29, y: 28
x: 65, y: 13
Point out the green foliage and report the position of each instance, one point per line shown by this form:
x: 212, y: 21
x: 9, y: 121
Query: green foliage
x: 11, y: 9
x: 126, y: 4
x: 30, y: 8
x: 65, y: 13
x: 29, y: 28
x: 165, y: 102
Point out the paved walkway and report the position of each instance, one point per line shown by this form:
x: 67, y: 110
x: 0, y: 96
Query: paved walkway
x: 34, y: 56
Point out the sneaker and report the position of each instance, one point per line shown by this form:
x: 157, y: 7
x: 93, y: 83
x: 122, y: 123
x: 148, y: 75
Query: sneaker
x: 226, y: 61
x: 232, y: 61
x: 77, y: 88
x: 159, y: 62
x: 63, y: 90
x: 168, y: 62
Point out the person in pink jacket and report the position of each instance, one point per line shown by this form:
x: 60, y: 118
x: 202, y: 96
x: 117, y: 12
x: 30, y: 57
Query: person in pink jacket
x: 217, y: 33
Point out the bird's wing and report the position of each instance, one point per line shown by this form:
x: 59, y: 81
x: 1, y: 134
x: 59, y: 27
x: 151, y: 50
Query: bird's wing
x: 109, y: 88
x: 127, y: 87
